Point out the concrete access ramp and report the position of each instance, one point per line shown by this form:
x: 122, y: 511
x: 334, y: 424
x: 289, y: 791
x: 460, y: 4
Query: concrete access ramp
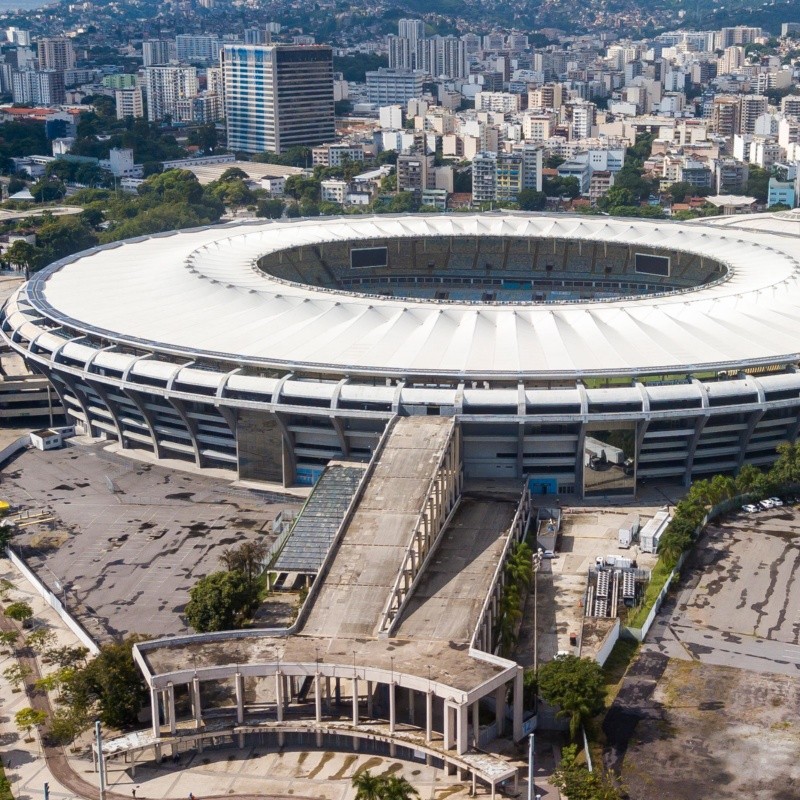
x: 413, y: 486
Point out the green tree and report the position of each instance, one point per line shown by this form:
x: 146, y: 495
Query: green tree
x: 576, y: 686
x: 8, y: 639
x: 112, y: 682
x: 397, y: 788
x: 27, y: 718
x: 757, y: 183
x: 19, y: 611
x: 531, y: 200
x: 41, y: 639
x: 220, y: 601
x: 46, y: 190
x: 786, y: 469
x: 15, y: 675
x: 22, y: 254
x: 270, y: 207
x: 577, y: 783
x: 367, y: 785
x: 616, y: 196
x: 67, y: 723
x: 61, y: 237
x: 247, y: 558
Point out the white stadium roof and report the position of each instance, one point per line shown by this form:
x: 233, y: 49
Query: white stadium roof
x: 200, y: 293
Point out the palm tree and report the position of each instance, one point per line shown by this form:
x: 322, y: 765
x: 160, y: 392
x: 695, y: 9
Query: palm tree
x: 367, y: 785
x: 398, y: 789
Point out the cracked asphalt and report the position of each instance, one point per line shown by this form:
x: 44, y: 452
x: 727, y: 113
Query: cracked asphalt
x: 129, y: 540
x: 739, y: 605
x: 709, y: 706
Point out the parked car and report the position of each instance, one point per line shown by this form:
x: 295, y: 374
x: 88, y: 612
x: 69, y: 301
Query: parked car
x: 548, y: 554
x: 766, y: 504
x: 749, y: 508
x: 776, y: 501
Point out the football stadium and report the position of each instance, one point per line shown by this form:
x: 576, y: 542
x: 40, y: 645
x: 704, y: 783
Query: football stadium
x: 428, y: 375
x: 584, y: 354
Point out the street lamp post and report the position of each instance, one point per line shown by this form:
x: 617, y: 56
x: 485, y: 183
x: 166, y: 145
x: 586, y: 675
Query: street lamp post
x: 531, y: 778
x: 100, y: 760
x: 537, y: 562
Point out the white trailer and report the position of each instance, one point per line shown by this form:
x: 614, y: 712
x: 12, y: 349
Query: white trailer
x: 650, y: 534
x: 628, y: 530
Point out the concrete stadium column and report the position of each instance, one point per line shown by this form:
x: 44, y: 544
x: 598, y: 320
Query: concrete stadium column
x: 448, y: 728
x: 154, y: 712
x: 476, y: 723
x: 355, y: 701
x: 318, y: 698
x: 370, y: 690
x: 428, y: 716
x: 196, y: 707
x: 500, y: 709
x: 165, y: 706
x: 392, y: 707
x: 518, y: 705
x: 328, y: 703
x: 239, y: 681
x: 173, y: 722
x: 462, y: 726
x: 279, y: 695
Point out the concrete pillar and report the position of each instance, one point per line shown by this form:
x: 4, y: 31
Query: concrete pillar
x: 392, y: 708
x: 279, y: 695
x: 317, y: 698
x: 500, y: 709
x: 370, y: 690
x: 476, y: 723
x: 196, y: 707
x: 239, y: 681
x: 411, y: 706
x: 338, y: 691
x: 328, y: 703
x: 518, y: 705
x: 154, y: 712
x: 428, y: 716
x: 165, y: 707
x: 462, y: 727
x: 355, y: 702
x: 448, y: 729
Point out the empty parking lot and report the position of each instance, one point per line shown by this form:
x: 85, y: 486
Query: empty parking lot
x: 125, y: 541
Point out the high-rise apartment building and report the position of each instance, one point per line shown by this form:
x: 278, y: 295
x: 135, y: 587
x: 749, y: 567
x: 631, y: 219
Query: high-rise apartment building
x: 38, y: 87
x: 278, y: 97
x: 164, y: 86
x: 388, y: 86
x: 254, y: 36
x: 751, y: 107
x: 157, y: 51
x: 411, y: 29
x: 18, y: 36
x: 583, y: 120
x: 129, y: 103
x: 197, y: 48
x: 532, y: 156
x: 725, y: 115
x: 56, y: 53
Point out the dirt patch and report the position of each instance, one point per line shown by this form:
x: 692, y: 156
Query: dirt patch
x: 708, y: 731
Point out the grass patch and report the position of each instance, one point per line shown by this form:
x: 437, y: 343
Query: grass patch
x: 618, y: 661
x: 658, y: 578
x: 5, y: 786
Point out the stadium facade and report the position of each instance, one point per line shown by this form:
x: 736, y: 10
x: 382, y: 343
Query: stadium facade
x: 586, y: 353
